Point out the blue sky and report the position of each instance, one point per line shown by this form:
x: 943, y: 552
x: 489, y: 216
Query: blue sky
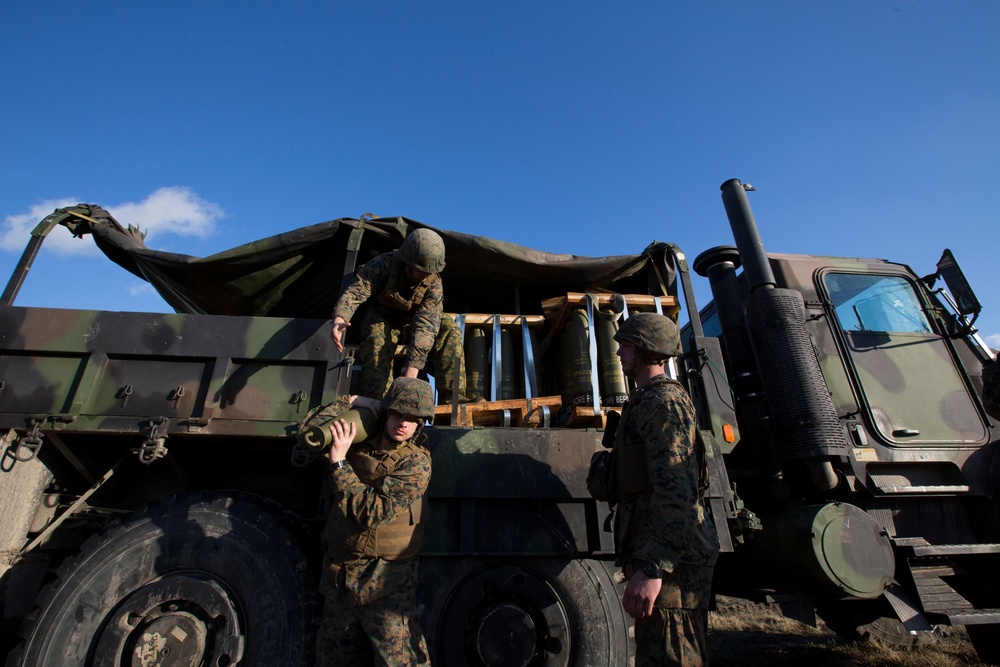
x: 869, y: 128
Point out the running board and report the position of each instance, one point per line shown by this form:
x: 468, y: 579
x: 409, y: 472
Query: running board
x: 976, y: 617
x: 955, y: 549
x: 939, y: 598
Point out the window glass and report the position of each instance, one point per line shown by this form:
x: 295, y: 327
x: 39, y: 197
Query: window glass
x: 710, y: 324
x: 876, y: 303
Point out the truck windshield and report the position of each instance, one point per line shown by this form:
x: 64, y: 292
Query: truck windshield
x: 876, y: 303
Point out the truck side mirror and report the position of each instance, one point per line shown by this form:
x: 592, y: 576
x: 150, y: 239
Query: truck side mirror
x: 958, y: 285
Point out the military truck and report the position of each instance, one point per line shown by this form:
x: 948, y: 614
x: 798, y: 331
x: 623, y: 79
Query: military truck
x: 158, y: 510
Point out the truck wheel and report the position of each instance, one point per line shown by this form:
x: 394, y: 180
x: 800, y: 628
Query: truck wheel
x: 194, y: 579
x: 864, y: 621
x: 549, y: 612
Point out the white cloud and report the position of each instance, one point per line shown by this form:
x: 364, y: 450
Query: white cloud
x: 169, y: 210
x: 173, y: 210
x: 993, y: 340
x: 138, y: 289
x: 16, y: 229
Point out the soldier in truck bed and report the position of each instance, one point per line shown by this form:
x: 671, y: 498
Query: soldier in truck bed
x: 407, y: 313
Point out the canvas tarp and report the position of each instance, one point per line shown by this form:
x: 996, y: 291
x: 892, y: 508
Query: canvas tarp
x: 300, y: 273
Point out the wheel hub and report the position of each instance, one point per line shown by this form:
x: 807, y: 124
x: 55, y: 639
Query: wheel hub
x: 505, y: 616
x: 506, y: 636
x: 180, y: 619
x: 176, y: 638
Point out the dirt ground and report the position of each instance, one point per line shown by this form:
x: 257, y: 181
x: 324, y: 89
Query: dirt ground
x: 742, y: 633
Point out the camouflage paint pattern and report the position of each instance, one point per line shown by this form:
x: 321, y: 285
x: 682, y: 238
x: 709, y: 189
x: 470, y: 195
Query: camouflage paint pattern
x: 899, y: 380
x: 991, y: 388
x: 205, y: 374
x: 254, y: 379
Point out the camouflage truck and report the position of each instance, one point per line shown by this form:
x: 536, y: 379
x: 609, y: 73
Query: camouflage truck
x: 157, y: 509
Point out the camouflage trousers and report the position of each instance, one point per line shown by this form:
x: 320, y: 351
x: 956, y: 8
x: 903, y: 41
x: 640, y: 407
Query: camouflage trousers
x: 377, y: 355
x: 672, y: 637
x: 383, y: 633
x: 677, y: 631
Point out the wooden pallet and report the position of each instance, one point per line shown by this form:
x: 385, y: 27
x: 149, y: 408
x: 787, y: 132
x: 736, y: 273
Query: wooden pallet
x: 482, y: 319
x: 558, y: 309
x: 512, y: 412
x: 583, y: 416
x: 491, y: 413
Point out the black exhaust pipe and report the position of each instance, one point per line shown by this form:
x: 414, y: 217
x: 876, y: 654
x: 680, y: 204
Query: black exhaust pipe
x: 805, y: 420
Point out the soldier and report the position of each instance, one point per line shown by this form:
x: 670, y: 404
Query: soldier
x: 407, y: 287
x: 663, y: 540
x: 373, y: 534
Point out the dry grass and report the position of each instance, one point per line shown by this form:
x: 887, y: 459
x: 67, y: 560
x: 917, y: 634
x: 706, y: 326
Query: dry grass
x: 743, y: 633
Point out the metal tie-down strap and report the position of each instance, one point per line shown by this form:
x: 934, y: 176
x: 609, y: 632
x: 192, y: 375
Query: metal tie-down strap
x: 497, y: 360
x: 592, y: 335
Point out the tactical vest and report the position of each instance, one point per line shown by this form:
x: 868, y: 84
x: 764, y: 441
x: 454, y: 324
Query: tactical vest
x: 627, y: 466
x: 399, y: 539
x: 393, y: 296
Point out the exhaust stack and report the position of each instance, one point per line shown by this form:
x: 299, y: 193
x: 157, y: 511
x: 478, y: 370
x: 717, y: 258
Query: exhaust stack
x: 805, y: 420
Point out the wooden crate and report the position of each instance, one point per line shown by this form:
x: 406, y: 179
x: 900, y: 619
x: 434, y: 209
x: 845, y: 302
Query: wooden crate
x: 583, y: 416
x: 491, y: 413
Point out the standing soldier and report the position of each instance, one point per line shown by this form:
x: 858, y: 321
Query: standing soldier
x: 406, y: 285
x: 373, y: 534
x: 663, y: 539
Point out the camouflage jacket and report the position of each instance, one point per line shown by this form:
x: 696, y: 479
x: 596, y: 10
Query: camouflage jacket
x: 372, y: 279
x: 368, y: 506
x: 668, y: 525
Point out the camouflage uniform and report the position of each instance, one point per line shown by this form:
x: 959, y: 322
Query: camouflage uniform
x: 370, y: 616
x: 426, y: 332
x: 667, y: 525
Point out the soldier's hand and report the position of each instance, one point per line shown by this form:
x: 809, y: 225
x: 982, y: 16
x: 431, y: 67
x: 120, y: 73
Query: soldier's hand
x: 337, y: 333
x: 342, y: 433
x: 640, y: 594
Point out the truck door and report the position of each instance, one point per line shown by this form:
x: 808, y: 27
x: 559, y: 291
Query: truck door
x: 904, y: 373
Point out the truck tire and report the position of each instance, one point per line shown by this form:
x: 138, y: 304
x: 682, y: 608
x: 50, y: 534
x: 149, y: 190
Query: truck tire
x: 551, y: 612
x: 200, y: 578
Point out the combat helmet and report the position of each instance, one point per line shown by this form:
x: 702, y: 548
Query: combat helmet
x: 423, y: 249
x: 410, y: 396
x: 656, y: 336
